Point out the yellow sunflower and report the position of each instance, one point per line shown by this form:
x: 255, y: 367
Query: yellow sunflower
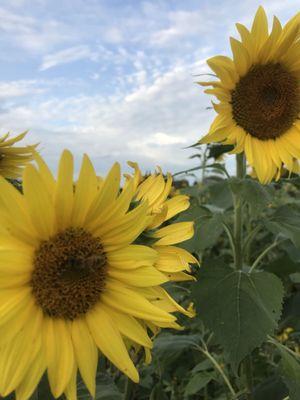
x: 73, y: 282
x: 13, y: 159
x: 157, y: 191
x: 259, y: 96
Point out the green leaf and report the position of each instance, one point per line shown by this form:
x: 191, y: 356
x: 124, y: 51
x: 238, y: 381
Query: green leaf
x: 158, y: 393
x: 283, y: 266
x: 272, y: 388
x: 169, y: 347
x: 293, y: 251
x: 220, y: 194
x: 252, y: 192
x: 217, y: 150
x: 286, y: 221
x: 290, y: 371
x: 198, y: 382
x: 105, y: 389
x: 241, y: 309
x: 203, y: 366
x: 208, y: 228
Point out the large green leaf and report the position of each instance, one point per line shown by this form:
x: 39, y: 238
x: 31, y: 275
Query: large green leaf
x: 220, y: 194
x: 290, y: 371
x: 286, y: 221
x: 208, y: 228
x: 241, y: 309
x: 252, y: 192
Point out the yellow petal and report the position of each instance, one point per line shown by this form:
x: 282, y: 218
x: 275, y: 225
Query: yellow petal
x: 17, y: 355
x: 64, y: 191
x: 141, y: 277
x: 107, y: 194
x: 14, y: 140
x: 267, y: 50
x: 224, y: 69
x: 259, y: 29
x: 59, y: 354
x: 86, y: 353
x: 174, y: 233
x: 15, y: 215
x: 240, y: 56
x: 14, y: 261
x: 129, y: 327
x: 113, y: 212
x: 12, y: 301
x: 45, y: 173
x: 247, y: 40
x: 132, y: 256
x: 39, y: 203
x: 32, y: 377
x: 128, y: 301
x: 133, y: 224
x: 110, y: 342
x: 71, y: 389
x: 85, y: 192
x: 176, y: 205
x: 16, y: 322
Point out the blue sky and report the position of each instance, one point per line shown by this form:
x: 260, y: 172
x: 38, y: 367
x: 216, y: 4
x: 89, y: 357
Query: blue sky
x: 115, y: 79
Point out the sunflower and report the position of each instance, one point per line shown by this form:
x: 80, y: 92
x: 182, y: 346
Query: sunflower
x: 73, y: 280
x: 259, y: 96
x: 163, y: 204
x: 13, y: 159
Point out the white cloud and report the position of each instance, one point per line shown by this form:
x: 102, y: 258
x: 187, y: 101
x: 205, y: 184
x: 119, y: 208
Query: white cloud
x: 160, y: 119
x: 68, y: 55
x: 162, y: 139
x: 33, y: 34
x: 20, y: 88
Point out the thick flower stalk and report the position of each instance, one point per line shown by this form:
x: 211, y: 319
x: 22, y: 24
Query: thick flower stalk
x: 75, y: 281
x: 258, y: 93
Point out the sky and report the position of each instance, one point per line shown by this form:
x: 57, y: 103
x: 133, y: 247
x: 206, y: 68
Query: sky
x: 115, y: 79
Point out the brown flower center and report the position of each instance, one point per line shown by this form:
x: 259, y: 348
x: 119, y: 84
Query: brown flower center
x: 69, y: 274
x: 266, y: 101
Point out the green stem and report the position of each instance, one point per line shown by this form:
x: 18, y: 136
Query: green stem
x: 248, y: 368
x: 238, y: 215
x: 248, y: 241
x: 239, y: 257
x: 230, y: 236
x: 219, y: 369
x: 129, y: 389
x: 263, y: 254
x: 204, y: 164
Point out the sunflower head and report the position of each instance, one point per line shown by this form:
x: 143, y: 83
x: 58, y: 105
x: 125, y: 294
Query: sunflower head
x: 259, y: 96
x: 75, y: 281
x: 163, y: 203
x: 13, y: 158
x: 158, y: 191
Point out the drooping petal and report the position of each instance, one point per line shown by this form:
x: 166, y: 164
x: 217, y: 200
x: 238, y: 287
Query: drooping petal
x: 110, y: 342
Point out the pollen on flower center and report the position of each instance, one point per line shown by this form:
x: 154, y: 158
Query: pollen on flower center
x: 69, y: 274
x: 266, y: 101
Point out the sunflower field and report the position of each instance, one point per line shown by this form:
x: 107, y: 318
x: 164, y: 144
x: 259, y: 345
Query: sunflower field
x: 161, y: 286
